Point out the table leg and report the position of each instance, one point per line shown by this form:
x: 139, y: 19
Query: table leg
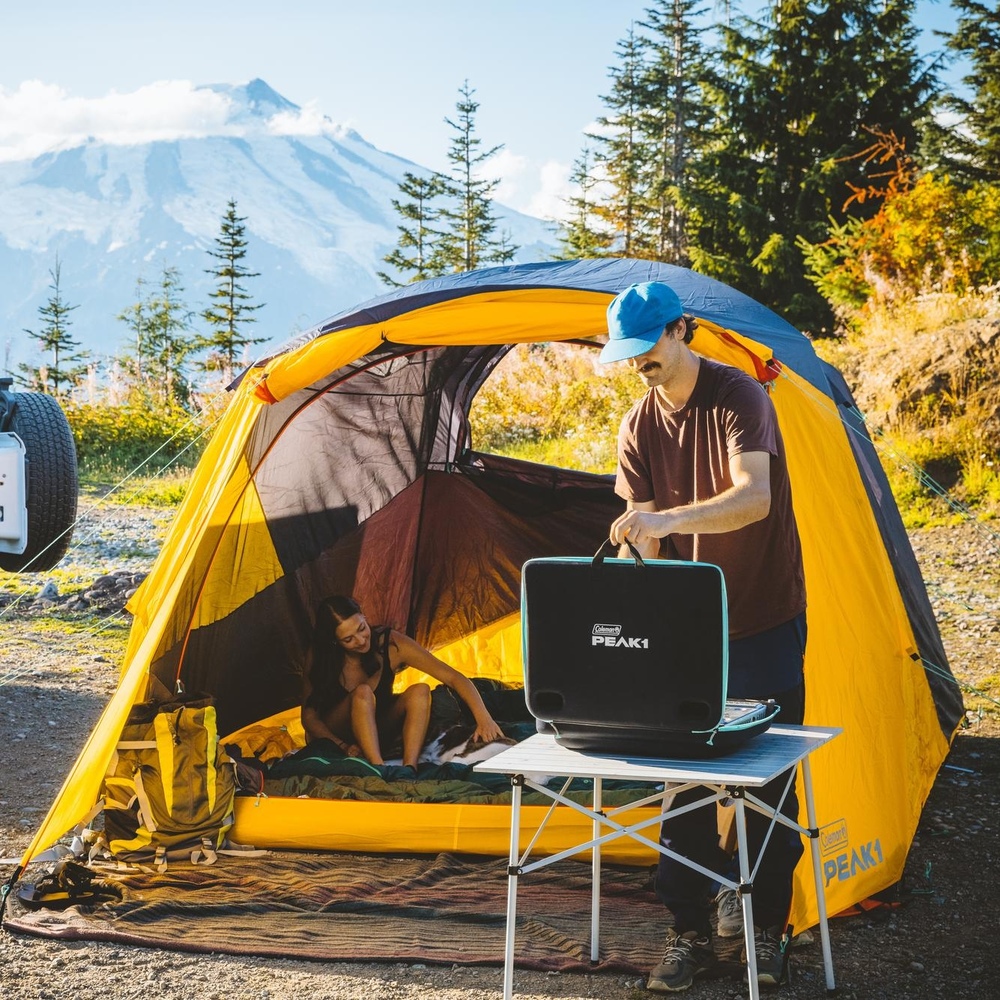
x: 824, y: 928
x: 595, y: 878
x: 515, y: 839
x: 746, y: 898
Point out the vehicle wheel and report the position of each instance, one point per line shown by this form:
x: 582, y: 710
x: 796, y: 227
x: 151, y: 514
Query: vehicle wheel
x: 52, y: 483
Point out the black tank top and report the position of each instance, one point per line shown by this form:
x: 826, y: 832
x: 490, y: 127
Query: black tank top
x: 328, y: 691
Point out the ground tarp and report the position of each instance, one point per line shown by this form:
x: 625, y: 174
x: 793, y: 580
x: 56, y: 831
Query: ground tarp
x: 443, y: 909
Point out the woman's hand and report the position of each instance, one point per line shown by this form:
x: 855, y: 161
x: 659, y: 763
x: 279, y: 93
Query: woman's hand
x: 414, y: 655
x: 487, y: 732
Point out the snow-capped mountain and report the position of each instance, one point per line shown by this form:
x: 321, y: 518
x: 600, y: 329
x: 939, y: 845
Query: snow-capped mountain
x: 316, y: 197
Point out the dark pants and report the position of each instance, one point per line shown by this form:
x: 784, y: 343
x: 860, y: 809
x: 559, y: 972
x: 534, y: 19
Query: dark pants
x: 695, y: 835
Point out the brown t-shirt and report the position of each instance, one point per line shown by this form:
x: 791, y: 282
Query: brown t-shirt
x: 677, y: 458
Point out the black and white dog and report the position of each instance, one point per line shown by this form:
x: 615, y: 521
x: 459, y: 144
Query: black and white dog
x: 456, y: 745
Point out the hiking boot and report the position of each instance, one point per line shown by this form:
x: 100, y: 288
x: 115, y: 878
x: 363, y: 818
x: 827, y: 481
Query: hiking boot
x: 684, y: 956
x: 730, y: 911
x: 803, y: 939
x: 770, y: 957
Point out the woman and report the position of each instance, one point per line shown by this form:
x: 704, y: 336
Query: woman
x: 348, y: 696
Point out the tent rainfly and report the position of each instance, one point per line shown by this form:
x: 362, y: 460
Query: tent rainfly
x: 344, y: 464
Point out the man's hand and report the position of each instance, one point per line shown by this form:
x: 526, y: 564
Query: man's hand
x: 640, y: 527
x: 746, y: 501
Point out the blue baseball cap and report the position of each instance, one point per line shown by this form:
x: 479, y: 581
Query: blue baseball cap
x: 637, y: 318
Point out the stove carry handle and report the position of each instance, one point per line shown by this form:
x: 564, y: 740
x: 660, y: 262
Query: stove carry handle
x: 608, y: 548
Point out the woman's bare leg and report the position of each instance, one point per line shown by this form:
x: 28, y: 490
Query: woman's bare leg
x: 415, y: 705
x: 363, y: 723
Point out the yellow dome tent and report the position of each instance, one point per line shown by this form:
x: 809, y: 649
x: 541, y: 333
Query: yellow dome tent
x: 344, y: 464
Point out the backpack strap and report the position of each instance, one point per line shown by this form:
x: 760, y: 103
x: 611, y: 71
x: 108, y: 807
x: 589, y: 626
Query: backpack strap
x: 205, y: 853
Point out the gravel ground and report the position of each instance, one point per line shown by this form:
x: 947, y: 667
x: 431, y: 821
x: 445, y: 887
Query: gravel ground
x: 59, y: 666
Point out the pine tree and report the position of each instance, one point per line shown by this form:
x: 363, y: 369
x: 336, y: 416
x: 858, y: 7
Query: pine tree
x: 232, y: 309
x: 803, y: 89
x: 975, y: 146
x: 415, y: 252
x: 655, y: 125
x: 469, y: 240
x: 673, y: 120
x: 619, y: 155
x: 65, y: 368
x: 136, y: 319
x: 170, y: 343
x: 158, y: 323
x: 581, y: 235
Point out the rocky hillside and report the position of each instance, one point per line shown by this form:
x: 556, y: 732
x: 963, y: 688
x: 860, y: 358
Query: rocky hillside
x: 929, y: 379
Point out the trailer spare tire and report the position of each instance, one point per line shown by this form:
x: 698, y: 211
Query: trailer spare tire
x: 52, y: 483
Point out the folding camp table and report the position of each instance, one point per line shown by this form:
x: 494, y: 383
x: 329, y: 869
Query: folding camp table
x: 768, y: 756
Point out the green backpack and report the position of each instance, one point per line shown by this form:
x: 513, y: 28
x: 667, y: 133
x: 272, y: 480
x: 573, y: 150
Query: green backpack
x: 169, y: 788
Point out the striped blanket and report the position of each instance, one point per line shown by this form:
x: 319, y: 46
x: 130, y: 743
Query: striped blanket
x: 442, y: 909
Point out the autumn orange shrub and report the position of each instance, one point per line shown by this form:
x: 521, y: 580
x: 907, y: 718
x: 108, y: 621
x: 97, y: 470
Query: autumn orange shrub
x: 932, y: 237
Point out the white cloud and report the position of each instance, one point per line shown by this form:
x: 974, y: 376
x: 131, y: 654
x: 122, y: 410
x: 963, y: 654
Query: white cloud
x: 510, y: 168
x: 549, y: 200
x: 37, y: 117
x: 308, y: 120
x: 526, y: 187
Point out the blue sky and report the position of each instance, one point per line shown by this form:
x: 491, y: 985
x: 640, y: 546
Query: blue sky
x: 389, y: 68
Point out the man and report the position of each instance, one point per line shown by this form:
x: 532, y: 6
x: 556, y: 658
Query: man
x: 701, y: 466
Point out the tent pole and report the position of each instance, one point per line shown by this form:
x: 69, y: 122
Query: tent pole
x: 7, y: 888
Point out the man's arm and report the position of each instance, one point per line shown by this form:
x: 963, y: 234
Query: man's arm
x: 746, y: 501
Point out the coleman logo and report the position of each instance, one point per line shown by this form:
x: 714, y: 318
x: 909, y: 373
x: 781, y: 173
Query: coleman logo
x: 833, y: 837
x: 607, y: 630
x: 841, y: 861
x: 611, y: 635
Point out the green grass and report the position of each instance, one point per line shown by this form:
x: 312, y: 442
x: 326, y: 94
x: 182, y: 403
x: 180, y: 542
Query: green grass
x: 940, y: 472
x: 19, y: 584
x: 54, y: 623
x: 577, y: 452
x: 166, y: 491
x: 936, y: 436
x: 138, y: 434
